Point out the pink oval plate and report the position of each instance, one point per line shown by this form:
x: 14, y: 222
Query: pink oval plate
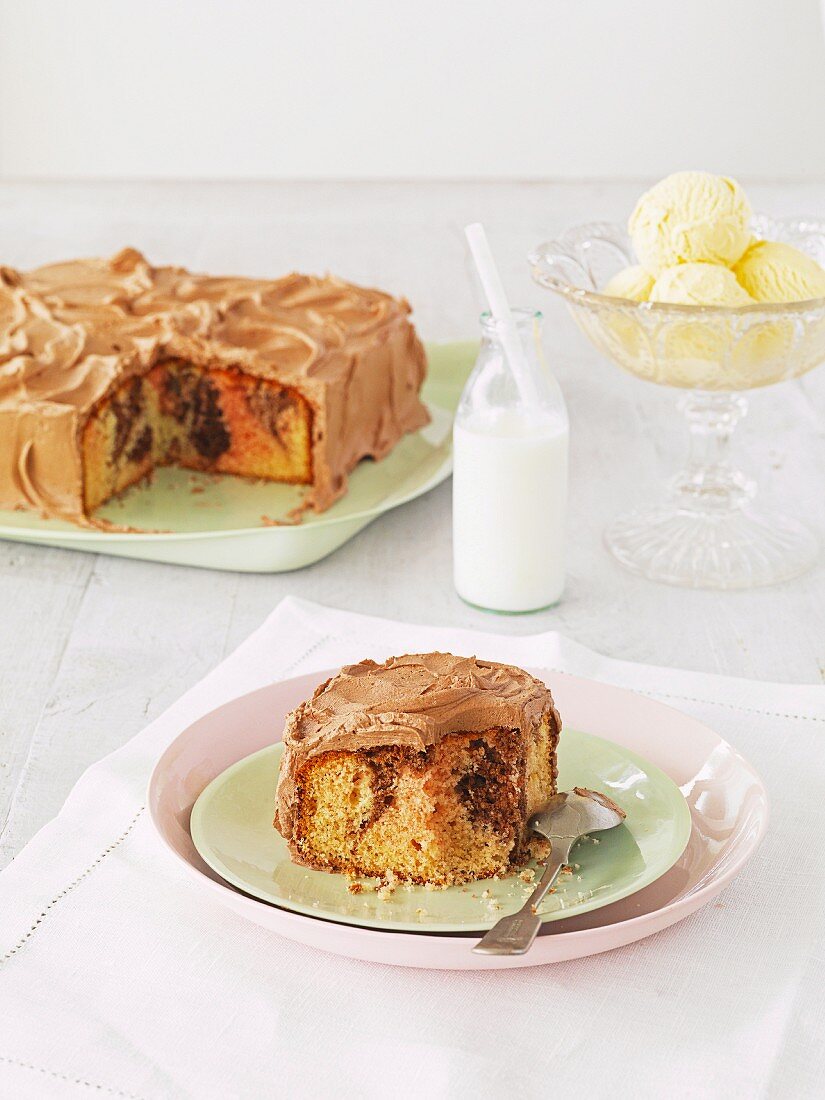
x: 727, y: 800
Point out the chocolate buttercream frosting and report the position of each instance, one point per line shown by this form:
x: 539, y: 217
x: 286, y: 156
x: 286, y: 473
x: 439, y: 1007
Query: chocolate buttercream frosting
x: 71, y: 332
x: 412, y: 701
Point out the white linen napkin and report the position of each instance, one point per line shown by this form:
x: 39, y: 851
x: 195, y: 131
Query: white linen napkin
x: 119, y: 976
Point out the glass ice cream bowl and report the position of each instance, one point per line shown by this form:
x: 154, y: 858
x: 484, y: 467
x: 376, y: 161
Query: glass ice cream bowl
x: 708, y: 531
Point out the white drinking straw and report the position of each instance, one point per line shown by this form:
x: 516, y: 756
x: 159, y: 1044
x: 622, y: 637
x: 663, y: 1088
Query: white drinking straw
x: 502, y: 314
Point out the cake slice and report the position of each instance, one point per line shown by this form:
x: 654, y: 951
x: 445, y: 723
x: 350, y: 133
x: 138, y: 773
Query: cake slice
x: 425, y: 768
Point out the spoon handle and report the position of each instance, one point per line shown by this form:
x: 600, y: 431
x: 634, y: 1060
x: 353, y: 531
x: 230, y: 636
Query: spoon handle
x: 514, y: 935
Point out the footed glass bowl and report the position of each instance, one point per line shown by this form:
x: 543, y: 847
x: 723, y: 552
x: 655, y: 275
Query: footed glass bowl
x: 707, y: 532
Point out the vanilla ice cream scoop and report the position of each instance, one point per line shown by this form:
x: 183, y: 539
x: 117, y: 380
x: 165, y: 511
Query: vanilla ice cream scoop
x: 632, y: 282
x: 699, y: 284
x: 690, y: 217
x: 771, y: 271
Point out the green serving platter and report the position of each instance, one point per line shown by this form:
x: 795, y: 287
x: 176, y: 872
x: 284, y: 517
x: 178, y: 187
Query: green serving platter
x: 223, y: 522
x: 231, y: 827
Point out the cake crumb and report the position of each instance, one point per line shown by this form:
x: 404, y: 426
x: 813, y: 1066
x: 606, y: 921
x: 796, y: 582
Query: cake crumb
x: 268, y: 521
x: 421, y: 912
x: 356, y: 886
x: 486, y: 893
x: 388, y: 885
x: 539, y: 847
x: 527, y: 874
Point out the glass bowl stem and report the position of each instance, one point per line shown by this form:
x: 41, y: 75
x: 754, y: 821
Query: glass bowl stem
x: 709, y: 483
x: 707, y: 533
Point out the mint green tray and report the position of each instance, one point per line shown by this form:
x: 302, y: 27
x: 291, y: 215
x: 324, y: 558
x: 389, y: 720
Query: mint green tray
x: 216, y: 521
x: 231, y: 827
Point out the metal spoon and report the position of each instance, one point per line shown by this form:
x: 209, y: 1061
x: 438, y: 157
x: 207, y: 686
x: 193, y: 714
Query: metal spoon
x: 566, y: 817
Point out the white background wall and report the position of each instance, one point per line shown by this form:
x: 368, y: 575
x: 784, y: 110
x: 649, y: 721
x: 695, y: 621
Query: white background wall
x: 410, y: 88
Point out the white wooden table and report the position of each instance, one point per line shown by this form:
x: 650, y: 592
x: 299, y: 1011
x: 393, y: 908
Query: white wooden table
x: 92, y: 648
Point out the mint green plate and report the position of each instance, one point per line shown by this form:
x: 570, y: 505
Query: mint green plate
x: 231, y: 827
x: 220, y: 522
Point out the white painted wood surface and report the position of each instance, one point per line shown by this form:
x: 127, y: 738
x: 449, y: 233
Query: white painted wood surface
x: 92, y: 648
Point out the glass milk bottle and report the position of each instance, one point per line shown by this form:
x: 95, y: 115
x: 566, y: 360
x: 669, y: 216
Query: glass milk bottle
x: 510, y: 479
